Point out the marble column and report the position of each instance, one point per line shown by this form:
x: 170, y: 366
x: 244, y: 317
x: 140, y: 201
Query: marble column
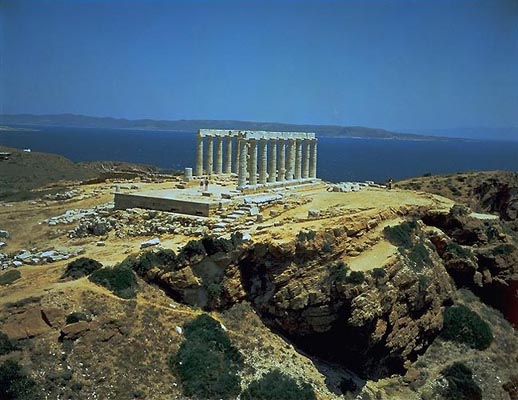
x: 219, y: 155
x: 253, y: 162
x: 241, y: 163
x: 305, y: 160
x: 313, y: 159
x: 290, y: 160
x: 228, y: 159
x: 263, y: 161
x: 199, y: 157
x: 272, y: 160
x: 235, y: 164
x: 282, y: 160
x: 298, y: 159
x: 210, y: 155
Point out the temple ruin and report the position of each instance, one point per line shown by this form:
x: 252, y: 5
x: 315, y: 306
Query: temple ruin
x: 261, y: 158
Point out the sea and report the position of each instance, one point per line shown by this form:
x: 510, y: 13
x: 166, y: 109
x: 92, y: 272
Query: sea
x: 339, y: 159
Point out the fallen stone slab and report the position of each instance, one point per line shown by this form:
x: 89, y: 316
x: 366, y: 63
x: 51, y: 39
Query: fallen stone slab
x: 149, y: 243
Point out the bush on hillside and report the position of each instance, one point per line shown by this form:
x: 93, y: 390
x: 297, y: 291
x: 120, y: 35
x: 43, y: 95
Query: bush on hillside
x: 191, y: 249
x: 207, y: 363
x: 458, y: 251
x: 418, y: 256
x: 215, y: 245
x: 15, y: 384
x: 120, y: 280
x: 465, y: 326
x: 276, y: 385
x: 339, y: 271
x: 75, y: 317
x: 401, y: 235
x: 355, y: 277
x: 83, y: 266
x: 503, y: 250
x: 10, y: 276
x: 6, y: 346
x: 461, y: 385
x: 149, y: 259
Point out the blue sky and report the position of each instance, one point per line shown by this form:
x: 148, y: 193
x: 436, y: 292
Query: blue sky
x: 401, y: 64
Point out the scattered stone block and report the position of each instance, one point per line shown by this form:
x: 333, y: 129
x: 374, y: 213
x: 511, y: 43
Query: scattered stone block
x: 149, y: 243
x: 313, y: 213
x: 4, y: 234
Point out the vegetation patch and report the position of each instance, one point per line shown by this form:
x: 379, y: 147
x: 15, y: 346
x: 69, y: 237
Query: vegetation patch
x: 215, y: 245
x: 503, y: 250
x: 419, y: 256
x: 306, y: 236
x: 401, y: 235
x: 339, y: 271
x: 276, y: 385
x: 458, y: 251
x: 6, y: 346
x: 15, y: 384
x: 150, y: 259
x: 461, y: 385
x: 83, y: 266
x: 355, y: 277
x: 465, y: 326
x: 10, y: 276
x: 120, y: 280
x: 207, y: 363
x: 75, y: 317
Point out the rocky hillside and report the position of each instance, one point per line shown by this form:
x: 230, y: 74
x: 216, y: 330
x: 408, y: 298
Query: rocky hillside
x: 493, y: 191
x: 387, y: 301
x: 27, y: 175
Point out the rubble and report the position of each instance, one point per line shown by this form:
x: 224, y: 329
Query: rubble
x: 35, y: 257
x: 150, y: 243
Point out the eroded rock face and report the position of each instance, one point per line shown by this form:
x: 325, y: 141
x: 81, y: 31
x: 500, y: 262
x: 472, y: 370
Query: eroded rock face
x: 373, y: 327
x: 488, y: 265
x: 373, y: 324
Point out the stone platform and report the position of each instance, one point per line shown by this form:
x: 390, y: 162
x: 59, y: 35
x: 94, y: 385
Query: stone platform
x: 192, y: 201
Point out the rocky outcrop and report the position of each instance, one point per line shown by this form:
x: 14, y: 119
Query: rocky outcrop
x: 371, y: 322
x: 478, y: 255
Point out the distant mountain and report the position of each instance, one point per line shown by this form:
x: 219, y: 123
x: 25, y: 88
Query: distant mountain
x: 82, y: 121
x: 484, y: 133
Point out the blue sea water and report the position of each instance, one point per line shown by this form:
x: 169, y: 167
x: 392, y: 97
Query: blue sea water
x: 339, y: 159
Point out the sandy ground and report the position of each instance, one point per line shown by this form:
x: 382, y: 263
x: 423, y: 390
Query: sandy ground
x: 24, y: 221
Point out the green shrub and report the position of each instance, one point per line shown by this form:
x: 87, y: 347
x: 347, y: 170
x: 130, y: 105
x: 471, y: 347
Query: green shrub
x: 379, y: 273
x: 191, y: 249
x: 419, y: 256
x: 304, y: 236
x: 6, y: 346
x: 214, y: 291
x: 83, y: 266
x: 119, y: 279
x: 215, y: 245
x: 401, y: 235
x: 326, y: 247
x: 465, y: 326
x: 75, y: 317
x: 503, y: 250
x: 276, y: 385
x: 207, y: 363
x: 339, y: 271
x: 15, y: 384
x: 461, y: 385
x: 355, y: 277
x: 10, y: 276
x: 149, y: 259
x: 458, y: 250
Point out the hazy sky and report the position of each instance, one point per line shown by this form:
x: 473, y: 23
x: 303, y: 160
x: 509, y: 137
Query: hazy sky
x: 398, y: 64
